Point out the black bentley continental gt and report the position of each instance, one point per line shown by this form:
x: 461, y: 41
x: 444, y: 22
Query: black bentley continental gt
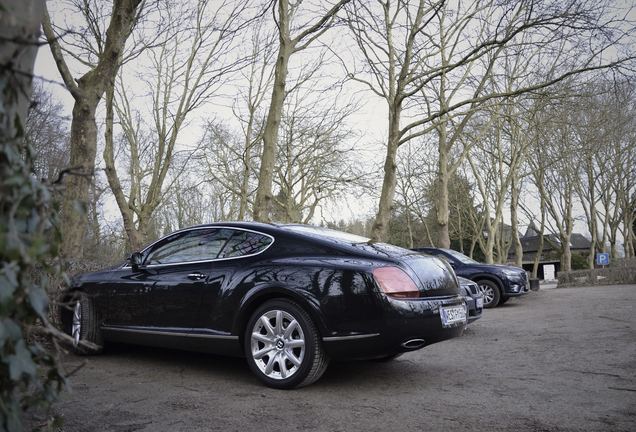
x: 287, y: 297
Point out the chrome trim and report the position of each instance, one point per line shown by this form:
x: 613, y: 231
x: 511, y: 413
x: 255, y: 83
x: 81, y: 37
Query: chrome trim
x: 167, y: 333
x: 208, y: 260
x: 350, y: 337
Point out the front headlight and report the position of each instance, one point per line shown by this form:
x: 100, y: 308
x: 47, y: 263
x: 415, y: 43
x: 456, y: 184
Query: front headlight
x: 511, y: 273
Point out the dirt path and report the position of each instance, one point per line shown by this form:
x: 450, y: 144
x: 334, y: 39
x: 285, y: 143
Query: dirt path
x: 556, y: 360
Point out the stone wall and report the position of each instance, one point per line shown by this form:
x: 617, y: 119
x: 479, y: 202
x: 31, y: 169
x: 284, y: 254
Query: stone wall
x: 622, y: 274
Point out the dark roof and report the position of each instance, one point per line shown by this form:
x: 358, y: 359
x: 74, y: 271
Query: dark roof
x: 552, y: 242
x: 532, y: 230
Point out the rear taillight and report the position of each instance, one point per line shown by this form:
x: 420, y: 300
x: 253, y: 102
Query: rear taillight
x: 394, y: 282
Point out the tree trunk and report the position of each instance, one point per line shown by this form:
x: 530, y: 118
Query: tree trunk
x: 134, y: 238
x: 263, y: 202
x: 385, y: 207
x: 247, y: 167
x: 514, y: 223
x: 566, y: 254
x: 87, y: 92
x: 441, y: 207
x: 77, y: 185
x: 537, y: 258
x: 490, y: 246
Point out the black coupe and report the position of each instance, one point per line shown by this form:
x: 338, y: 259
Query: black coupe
x: 287, y: 297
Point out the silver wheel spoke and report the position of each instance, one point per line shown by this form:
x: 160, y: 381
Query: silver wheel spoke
x: 279, y: 323
x: 76, y: 325
x: 292, y: 358
x: 263, y: 338
x: 290, y: 329
x: 267, y: 325
x: 261, y: 353
x: 295, y: 343
x: 270, y: 364
x: 282, y: 365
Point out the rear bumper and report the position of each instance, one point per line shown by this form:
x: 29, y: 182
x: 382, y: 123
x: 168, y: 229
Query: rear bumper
x: 405, y: 325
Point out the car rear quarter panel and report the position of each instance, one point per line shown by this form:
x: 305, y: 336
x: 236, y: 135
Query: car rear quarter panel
x: 339, y: 293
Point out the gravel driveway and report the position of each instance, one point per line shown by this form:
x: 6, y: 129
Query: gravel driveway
x: 556, y: 360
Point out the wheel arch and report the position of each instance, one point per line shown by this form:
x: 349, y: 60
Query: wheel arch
x: 491, y: 278
x: 257, y: 296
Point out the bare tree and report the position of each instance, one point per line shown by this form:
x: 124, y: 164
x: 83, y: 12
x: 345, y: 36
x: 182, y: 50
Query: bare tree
x: 315, y: 161
x: 100, y: 52
x: 289, y: 44
x: 47, y: 134
x: 409, y: 46
x: 190, y: 64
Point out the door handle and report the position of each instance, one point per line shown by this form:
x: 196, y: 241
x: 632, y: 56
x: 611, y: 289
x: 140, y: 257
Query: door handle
x: 196, y: 276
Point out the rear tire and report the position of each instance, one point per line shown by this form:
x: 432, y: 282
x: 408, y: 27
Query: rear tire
x: 283, y: 346
x: 84, y: 327
x: 491, y: 293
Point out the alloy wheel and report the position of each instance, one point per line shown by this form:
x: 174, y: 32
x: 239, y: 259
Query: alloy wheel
x: 277, y: 344
x: 488, y: 292
x: 76, y: 327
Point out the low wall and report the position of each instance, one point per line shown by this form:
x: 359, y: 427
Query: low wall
x: 599, y: 276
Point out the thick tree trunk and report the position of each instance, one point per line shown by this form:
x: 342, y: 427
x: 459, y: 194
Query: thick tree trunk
x: 537, y: 257
x: 87, y: 92
x: 490, y: 246
x: 441, y: 207
x: 566, y: 254
x: 247, y: 167
x: 263, y: 203
x: 385, y: 207
x: 78, y: 182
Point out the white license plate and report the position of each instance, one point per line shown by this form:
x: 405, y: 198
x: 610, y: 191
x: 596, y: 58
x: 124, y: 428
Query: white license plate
x: 479, y: 303
x: 451, y: 315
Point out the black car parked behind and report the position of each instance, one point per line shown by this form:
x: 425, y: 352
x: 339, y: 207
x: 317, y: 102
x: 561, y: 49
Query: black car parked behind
x: 497, y: 282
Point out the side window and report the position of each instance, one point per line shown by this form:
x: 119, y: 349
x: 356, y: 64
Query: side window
x: 245, y: 243
x: 194, y: 245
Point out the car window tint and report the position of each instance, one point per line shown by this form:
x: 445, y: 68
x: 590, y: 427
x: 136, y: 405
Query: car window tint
x: 195, y: 245
x: 245, y: 243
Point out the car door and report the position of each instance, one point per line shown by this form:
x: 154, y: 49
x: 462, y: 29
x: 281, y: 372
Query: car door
x: 178, y: 273
x: 165, y: 291
x: 235, y: 256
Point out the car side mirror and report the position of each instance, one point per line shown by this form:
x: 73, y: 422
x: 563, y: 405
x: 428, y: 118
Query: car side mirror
x: 136, y: 260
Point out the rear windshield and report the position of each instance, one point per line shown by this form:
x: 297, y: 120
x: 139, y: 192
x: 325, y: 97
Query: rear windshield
x: 329, y: 233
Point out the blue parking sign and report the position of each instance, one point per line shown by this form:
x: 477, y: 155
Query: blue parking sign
x: 602, y: 259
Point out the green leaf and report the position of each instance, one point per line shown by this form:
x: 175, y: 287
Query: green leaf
x: 9, y: 330
x: 21, y: 362
x: 8, y: 282
x: 39, y: 300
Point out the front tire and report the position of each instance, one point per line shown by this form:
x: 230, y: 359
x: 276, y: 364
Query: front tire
x: 84, y: 327
x: 283, y: 346
x: 490, y: 291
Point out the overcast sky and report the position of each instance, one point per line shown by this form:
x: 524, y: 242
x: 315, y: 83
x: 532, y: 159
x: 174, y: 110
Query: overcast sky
x: 370, y: 123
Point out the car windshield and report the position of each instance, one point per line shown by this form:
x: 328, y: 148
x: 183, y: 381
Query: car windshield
x: 326, y: 232
x: 460, y: 257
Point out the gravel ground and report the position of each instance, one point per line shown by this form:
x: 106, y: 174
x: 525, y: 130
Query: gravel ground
x: 555, y: 360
